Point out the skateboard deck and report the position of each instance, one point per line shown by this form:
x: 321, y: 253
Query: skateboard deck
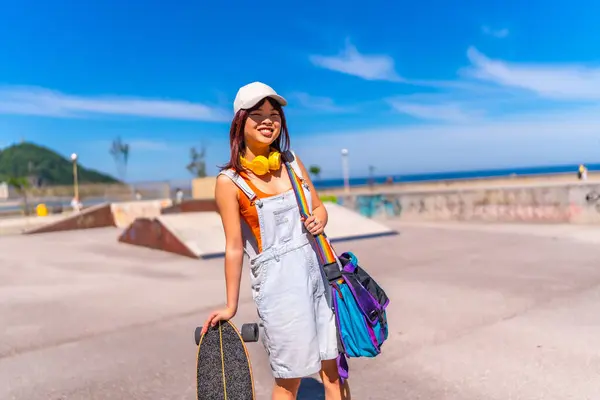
x: 224, y: 371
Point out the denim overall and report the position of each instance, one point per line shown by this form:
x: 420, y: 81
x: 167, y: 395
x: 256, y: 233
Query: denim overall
x: 288, y: 285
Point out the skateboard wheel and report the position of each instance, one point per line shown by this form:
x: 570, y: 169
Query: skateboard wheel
x: 197, y: 334
x: 250, y: 332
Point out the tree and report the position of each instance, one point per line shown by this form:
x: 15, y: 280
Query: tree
x: 315, y: 170
x: 21, y: 185
x: 120, y: 152
x: 197, y: 164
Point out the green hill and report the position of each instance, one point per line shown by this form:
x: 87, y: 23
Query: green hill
x: 45, y: 166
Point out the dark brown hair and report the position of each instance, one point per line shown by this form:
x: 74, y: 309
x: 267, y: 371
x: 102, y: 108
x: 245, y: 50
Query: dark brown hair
x: 236, y: 134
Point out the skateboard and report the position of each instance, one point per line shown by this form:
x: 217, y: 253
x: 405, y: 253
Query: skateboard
x: 223, y: 369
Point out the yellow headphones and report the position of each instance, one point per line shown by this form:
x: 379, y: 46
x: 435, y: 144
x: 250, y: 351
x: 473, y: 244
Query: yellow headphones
x: 260, y: 165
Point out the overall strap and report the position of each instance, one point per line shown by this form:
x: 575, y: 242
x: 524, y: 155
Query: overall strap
x: 242, y: 184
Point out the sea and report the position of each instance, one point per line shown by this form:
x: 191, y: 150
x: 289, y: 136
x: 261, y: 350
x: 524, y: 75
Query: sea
x: 440, y: 176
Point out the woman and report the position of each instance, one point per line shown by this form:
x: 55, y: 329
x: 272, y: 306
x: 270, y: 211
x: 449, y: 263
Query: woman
x: 261, y: 218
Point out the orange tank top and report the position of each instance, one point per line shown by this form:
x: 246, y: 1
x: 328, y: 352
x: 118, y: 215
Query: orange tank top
x: 248, y: 209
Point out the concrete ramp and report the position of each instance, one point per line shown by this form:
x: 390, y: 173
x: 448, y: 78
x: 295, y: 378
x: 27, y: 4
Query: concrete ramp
x: 99, y: 216
x: 153, y: 233
x: 127, y: 212
x: 190, y: 234
x: 103, y: 215
x: 200, y: 234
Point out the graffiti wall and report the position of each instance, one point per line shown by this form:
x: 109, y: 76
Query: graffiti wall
x: 378, y: 205
x: 576, y: 203
x: 586, y: 199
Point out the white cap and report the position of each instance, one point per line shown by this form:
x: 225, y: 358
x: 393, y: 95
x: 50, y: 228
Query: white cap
x: 249, y: 95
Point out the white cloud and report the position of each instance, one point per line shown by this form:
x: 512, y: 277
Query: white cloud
x: 496, y: 114
x: 449, y: 112
x: 318, y: 103
x: 49, y: 103
x: 536, y: 138
x: 497, y: 33
x: 350, y: 61
x: 496, y: 87
x: 564, y: 82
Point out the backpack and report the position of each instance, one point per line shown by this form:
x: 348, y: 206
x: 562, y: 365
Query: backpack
x: 358, y: 302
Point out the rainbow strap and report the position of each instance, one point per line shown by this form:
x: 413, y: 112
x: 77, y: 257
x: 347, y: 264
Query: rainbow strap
x: 324, y: 249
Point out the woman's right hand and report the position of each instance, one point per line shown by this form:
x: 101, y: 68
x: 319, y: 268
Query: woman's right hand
x: 216, y: 316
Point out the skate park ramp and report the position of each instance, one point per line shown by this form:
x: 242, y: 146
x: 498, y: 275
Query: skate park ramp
x: 127, y: 212
x: 119, y: 215
x: 99, y: 216
x: 200, y: 234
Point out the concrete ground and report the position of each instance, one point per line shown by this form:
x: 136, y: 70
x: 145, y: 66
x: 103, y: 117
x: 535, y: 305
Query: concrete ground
x: 477, y: 312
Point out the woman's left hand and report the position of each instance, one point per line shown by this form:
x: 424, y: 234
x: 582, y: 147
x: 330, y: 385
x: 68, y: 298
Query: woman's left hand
x: 314, y: 225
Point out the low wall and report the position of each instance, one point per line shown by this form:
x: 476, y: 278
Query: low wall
x: 204, y: 188
x: 577, y: 203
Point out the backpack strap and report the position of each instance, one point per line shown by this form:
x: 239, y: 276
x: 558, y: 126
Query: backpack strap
x: 242, y: 184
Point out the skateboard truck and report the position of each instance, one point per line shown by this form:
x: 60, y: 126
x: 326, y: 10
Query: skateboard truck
x: 250, y: 333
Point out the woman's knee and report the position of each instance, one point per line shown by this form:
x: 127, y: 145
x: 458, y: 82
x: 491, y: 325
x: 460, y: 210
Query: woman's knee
x: 334, y: 388
x: 290, y: 385
x: 329, y: 371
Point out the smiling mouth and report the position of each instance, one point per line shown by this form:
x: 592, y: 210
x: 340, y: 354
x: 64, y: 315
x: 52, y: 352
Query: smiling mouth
x: 266, y: 131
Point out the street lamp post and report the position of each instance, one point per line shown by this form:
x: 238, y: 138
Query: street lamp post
x: 75, y: 180
x: 345, y: 170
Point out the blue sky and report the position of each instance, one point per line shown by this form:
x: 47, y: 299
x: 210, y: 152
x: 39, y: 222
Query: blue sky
x: 407, y: 87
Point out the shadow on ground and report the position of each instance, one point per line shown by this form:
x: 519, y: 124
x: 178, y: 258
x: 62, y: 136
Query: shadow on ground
x: 311, y: 389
